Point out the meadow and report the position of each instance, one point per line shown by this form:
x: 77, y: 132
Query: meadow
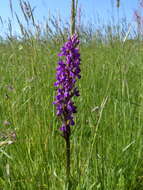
x: 106, y: 141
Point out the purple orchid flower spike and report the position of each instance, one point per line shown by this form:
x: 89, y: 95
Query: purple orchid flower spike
x: 68, y: 71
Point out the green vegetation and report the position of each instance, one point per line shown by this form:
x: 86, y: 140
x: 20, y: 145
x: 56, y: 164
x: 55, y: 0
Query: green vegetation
x: 106, y: 142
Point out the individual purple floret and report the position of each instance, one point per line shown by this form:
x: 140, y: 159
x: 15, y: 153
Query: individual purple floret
x: 68, y: 71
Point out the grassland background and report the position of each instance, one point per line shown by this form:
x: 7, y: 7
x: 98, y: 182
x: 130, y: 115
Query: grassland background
x: 107, y: 140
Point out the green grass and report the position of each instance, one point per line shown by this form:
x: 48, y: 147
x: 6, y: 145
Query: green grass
x: 106, y: 142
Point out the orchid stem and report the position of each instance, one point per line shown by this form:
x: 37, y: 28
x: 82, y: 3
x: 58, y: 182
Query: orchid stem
x: 68, y: 158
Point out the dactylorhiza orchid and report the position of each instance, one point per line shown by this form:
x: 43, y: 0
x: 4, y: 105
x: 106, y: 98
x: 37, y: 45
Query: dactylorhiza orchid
x: 68, y: 71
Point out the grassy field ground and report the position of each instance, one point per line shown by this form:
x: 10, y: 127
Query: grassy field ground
x: 107, y: 140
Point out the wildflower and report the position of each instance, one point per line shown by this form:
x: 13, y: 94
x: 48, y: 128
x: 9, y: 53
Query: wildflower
x: 68, y: 71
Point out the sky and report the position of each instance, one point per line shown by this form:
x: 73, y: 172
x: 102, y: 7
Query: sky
x: 91, y: 9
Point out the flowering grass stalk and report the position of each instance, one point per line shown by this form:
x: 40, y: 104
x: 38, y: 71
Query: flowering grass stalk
x: 139, y: 18
x: 68, y: 71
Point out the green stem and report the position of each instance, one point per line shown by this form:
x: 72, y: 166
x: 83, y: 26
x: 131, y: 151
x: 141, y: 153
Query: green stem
x: 68, y: 157
x: 73, y: 14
